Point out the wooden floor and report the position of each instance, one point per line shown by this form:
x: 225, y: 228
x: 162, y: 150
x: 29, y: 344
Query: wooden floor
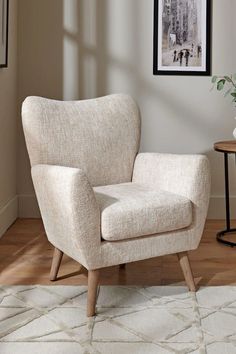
x: 25, y: 258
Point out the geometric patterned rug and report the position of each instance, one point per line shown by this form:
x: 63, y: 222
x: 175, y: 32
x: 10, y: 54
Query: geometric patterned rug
x: 147, y: 320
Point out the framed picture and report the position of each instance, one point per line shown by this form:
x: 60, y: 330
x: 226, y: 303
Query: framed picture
x: 182, y: 37
x: 4, y: 9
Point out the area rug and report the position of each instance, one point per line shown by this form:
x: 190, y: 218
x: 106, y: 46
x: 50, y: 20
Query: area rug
x: 147, y: 320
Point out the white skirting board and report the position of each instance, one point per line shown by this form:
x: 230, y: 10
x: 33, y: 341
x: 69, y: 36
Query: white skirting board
x: 28, y: 207
x: 8, y: 214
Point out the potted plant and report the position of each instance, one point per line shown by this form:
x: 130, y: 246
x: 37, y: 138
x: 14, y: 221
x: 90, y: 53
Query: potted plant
x: 226, y: 84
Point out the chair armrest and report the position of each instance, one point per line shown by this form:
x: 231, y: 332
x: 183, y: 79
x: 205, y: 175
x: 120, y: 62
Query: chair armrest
x: 186, y: 175
x: 69, y: 210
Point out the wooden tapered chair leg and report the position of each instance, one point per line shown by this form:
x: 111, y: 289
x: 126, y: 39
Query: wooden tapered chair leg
x: 93, y: 280
x: 56, y: 262
x: 186, y: 268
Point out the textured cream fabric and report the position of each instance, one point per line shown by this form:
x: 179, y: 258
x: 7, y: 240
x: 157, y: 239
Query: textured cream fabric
x: 70, y: 212
x: 99, y: 136
x: 96, y: 141
x: 131, y: 210
x: 186, y: 175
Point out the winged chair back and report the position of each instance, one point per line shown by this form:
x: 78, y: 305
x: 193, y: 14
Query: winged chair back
x: 99, y: 136
x: 101, y: 204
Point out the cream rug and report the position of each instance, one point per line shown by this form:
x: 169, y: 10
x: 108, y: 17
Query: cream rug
x: 52, y: 320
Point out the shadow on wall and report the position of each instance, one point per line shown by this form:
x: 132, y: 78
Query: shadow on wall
x: 40, y: 48
x: 90, y: 59
x: 88, y: 31
x: 84, y: 49
x: 78, y: 49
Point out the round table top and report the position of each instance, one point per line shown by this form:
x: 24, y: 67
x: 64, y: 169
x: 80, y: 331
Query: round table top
x: 226, y: 146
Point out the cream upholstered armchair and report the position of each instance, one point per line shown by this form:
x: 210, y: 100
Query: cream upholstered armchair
x: 101, y: 201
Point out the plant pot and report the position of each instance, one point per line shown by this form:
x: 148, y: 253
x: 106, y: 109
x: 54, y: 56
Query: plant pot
x: 234, y: 133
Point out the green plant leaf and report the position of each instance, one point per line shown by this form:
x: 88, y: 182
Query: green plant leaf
x: 214, y: 79
x: 233, y: 94
x: 221, y: 84
x: 227, y: 78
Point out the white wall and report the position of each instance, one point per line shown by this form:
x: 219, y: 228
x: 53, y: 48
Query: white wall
x: 85, y: 48
x: 40, y: 39
x: 8, y: 114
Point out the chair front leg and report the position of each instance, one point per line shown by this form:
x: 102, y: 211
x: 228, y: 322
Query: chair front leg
x: 56, y: 262
x: 186, y: 268
x: 93, y: 280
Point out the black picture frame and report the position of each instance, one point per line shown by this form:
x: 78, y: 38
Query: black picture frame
x: 4, y: 24
x: 205, y: 69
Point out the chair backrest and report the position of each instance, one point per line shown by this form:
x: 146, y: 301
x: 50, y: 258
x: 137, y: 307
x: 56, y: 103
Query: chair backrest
x: 101, y: 136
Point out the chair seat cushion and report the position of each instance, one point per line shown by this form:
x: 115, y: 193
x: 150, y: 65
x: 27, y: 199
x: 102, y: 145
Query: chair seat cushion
x: 132, y: 210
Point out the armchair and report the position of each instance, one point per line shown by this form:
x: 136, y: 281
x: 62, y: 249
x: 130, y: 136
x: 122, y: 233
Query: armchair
x: 102, y: 202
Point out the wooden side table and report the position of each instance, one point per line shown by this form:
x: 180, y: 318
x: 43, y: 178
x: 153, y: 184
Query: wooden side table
x: 226, y: 147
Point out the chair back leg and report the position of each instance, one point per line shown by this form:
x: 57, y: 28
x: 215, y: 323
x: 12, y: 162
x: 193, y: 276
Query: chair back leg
x: 122, y: 266
x: 56, y: 262
x: 186, y: 268
x: 93, y: 280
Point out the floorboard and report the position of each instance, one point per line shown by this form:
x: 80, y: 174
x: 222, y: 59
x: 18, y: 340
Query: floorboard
x: 25, y: 258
